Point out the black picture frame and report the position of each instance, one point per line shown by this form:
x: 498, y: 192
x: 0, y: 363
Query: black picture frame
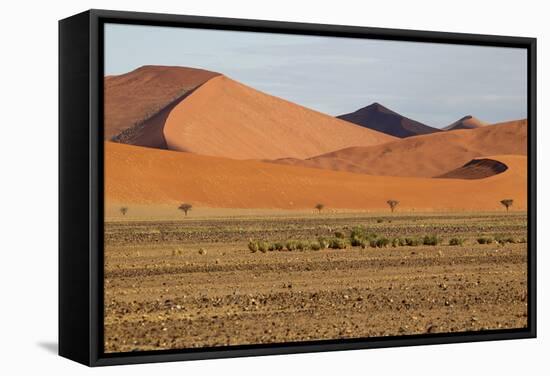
x: 81, y: 185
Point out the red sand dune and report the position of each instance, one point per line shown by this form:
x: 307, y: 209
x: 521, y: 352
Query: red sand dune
x: 467, y: 122
x: 382, y: 119
x: 133, y: 97
x: 136, y: 175
x: 424, y: 156
x: 225, y: 118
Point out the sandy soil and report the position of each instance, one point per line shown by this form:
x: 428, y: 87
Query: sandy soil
x: 228, y: 119
x: 427, y: 155
x: 135, y: 175
x: 161, y: 293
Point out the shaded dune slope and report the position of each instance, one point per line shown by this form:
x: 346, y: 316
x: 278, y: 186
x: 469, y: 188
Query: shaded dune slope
x: 424, y: 156
x: 476, y: 169
x: 382, y: 119
x: 136, y: 175
x: 135, y: 97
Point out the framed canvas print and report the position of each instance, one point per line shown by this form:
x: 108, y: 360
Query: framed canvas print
x: 236, y: 187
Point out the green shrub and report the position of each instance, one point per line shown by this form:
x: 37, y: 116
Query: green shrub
x: 503, y: 239
x: 412, y: 242
x: 397, y: 242
x: 253, y: 246
x: 430, y: 240
x: 263, y: 247
x: 339, y: 234
x: 484, y: 240
x: 278, y: 246
x: 323, y: 242
x: 337, y: 243
x: 382, y: 242
x: 358, y: 232
x: 302, y: 246
x: 290, y: 245
x: 315, y: 245
x: 456, y: 241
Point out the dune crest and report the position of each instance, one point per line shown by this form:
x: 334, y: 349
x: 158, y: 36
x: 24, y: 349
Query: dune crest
x: 228, y: 119
x: 424, y: 156
x: 136, y: 175
x: 467, y: 122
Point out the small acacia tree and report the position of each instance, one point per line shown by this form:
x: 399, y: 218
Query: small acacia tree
x: 185, y: 208
x: 123, y: 210
x: 392, y: 204
x: 507, y: 203
x: 319, y: 207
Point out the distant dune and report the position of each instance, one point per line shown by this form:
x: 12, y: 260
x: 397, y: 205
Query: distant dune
x: 134, y: 97
x: 467, y: 122
x: 225, y: 118
x: 136, y: 175
x: 424, y: 156
x: 382, y: 119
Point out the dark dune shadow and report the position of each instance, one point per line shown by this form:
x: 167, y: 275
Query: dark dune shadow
x: 50, y: 347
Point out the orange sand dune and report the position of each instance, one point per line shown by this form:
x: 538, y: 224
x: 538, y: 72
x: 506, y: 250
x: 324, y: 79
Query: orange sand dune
x: 467, y: 122
x: 225, y: 118
x: 133, y: 97
x: 136, y: 175
x: 426, y: 155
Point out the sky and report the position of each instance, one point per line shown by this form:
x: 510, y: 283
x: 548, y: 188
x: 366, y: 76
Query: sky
x: 435, y: 84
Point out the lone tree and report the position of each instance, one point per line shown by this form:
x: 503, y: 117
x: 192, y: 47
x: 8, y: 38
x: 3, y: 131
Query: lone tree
x: 392, y: 204
x: 507, y: 203
x: 319, y: 207
x: 123, y: 210
x: 185, y: 208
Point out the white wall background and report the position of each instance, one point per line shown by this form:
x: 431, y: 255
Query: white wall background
x: 28, y: 161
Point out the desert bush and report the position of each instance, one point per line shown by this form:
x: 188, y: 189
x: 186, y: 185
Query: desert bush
x: 484, y: 240
x: 522, y: 240
x: 430, y: 240
x: 382, y: 242
x: 315, y: 245
x: 290, y: 245
x: 396, y: 242
x: 263, y: 247
x: 358, y: 232
x: 323, y: 242
x: 202, y: 251
x: 302, y: 245
x: 456, y: 241
x: 339, y: 234
x: 337, y: 243
x: 271, y: 247
x: 279, y: 246
x: 412, y: 242
x: 503, y: 239
x: 253, y: 246
x: 319, y: 207
x: 379, y: 220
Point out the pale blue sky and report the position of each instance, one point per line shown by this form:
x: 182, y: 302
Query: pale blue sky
x: 432, y: 83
